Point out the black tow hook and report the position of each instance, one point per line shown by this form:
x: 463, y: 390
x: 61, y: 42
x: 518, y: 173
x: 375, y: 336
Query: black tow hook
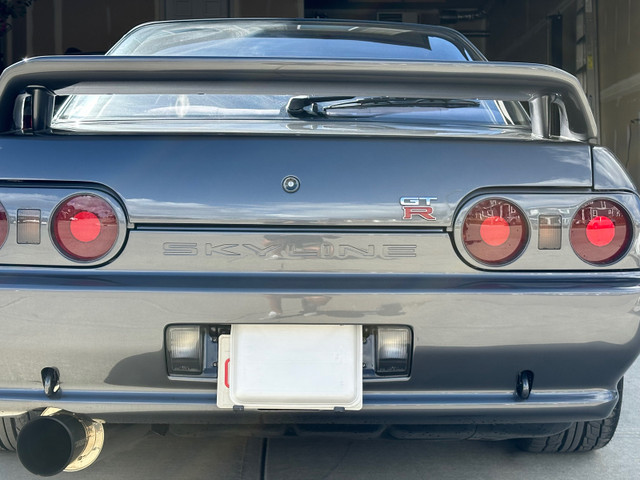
x: 50, y: 381
x: 524, y: 384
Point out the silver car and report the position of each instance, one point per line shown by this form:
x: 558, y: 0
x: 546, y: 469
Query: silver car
x: 301, y: 226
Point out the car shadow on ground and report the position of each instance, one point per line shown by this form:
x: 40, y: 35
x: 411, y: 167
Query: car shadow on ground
x: 335, y: 458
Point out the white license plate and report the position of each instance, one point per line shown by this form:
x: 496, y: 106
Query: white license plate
x: 310, y: 367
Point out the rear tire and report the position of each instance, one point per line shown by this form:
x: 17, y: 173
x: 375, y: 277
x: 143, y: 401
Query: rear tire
x: 580, y: 437
x: 10, y: 428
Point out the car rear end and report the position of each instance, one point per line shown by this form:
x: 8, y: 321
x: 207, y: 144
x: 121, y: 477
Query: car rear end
x: 313, y: 274
x: 247, y: 252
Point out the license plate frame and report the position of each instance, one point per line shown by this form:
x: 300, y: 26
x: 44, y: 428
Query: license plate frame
x: 291, y: 367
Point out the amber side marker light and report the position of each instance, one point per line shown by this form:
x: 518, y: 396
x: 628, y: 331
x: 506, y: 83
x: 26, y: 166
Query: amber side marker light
x: 495, y: 231
x: 85, y: 227
x: 601, y: 232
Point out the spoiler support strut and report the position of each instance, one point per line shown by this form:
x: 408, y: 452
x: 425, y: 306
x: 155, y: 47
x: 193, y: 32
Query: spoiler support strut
x: 42, y: 108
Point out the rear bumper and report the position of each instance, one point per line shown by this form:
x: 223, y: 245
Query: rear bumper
x: 473, y: 333
x: 379, y: 408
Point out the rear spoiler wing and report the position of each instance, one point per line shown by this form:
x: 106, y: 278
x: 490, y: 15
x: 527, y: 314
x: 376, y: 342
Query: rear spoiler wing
x: 44, y: 77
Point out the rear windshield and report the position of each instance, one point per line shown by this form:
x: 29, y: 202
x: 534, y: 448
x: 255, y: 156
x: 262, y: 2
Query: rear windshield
x: 292, y: 39
x: 289, y: 39
x: 170, y: 111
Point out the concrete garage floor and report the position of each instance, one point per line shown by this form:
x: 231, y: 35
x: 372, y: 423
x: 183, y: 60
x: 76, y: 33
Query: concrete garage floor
x: 294, y: 458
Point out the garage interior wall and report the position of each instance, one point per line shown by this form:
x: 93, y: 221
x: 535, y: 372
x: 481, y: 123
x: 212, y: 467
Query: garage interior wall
x: 619, y: 38
x: 527, y: 39
x: 92, y: 26
x: 54, y: 26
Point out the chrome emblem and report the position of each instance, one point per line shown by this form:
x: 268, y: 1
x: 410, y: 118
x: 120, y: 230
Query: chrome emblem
x: 417, y: 207
x: 291, y: 184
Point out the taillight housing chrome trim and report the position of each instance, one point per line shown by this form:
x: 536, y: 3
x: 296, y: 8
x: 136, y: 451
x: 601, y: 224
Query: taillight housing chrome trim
x: 46, y: 199
x: 564, y: 205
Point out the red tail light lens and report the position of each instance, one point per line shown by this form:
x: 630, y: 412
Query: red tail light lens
x: 495, y: 231
x: 4, y: 225
x: 601, y: 232
x: 85, y: 227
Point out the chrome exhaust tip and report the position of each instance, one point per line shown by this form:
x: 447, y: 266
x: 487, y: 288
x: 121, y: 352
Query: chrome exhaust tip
x: 59, y: 441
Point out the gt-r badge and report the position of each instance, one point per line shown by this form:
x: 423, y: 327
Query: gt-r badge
x: 417, y: 207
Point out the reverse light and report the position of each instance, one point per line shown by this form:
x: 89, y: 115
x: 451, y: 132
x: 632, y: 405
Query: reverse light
x: 85, y: 227
x: 393, y: 350
x: 495, y: 231
x: 549, y: 232
x: 28, y: 227
x: 601, y: 232
x: 184, y: 349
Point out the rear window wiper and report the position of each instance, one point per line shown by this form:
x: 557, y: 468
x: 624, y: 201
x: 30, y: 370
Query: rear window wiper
x: 306, y: 106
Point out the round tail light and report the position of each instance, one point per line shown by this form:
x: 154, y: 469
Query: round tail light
x: 85, y: 227
x: 600, y: 232
x: 4, y: 225
x: 495, y: 232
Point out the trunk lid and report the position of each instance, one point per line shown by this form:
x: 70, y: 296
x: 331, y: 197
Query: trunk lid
x: 344, y: 181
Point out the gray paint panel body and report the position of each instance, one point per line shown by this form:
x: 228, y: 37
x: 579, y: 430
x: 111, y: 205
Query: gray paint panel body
x: 608, y: 172
x: 472, y: 334
x: 344, y: 181
x: 473, y: 330
x: 184, y: 197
